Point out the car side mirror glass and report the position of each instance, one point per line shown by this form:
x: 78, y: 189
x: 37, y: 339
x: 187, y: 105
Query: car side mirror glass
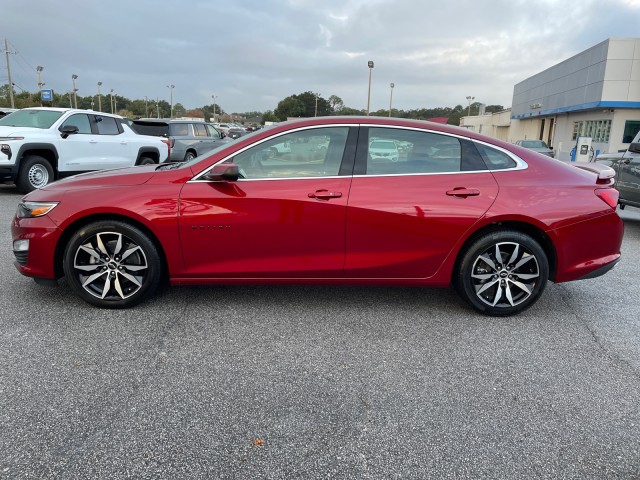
x: 67, y: 130
x: 223, y: 172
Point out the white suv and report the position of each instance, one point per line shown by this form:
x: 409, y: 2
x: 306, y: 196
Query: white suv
x: 40, y: 145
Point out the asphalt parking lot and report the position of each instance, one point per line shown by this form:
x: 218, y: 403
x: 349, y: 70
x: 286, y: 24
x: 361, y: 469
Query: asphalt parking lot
x: 320, y: 382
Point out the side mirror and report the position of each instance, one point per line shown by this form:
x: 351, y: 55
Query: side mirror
x: 223, y: 172
x: 634, y: 148
x: 68, y: 130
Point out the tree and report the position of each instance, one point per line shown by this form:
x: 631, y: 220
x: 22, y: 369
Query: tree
x: 289, y: 107
x: 194, y: 113
x: 336, y: 104
x: 351, y: 111
x: 493, y: 108
x: 179, y: 110
x: 269, y: 116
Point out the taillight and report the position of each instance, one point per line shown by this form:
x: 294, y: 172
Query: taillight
x: 168, y: 143
x: 609, y: 196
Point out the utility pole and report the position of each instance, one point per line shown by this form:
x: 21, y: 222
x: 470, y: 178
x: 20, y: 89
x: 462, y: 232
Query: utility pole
x: 39, y: 69
x: 6, y: 51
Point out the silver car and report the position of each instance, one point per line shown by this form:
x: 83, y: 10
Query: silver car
x: 537, y: 146
x: 189, y: 139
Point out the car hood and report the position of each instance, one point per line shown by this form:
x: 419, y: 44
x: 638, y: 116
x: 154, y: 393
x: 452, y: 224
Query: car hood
x: 10, y: 131
x: 106, y: 178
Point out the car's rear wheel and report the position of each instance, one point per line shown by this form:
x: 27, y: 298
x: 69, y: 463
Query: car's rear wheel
x: 189, y: 156
x: 502, y: 273
x: 35, y: 172
x: 112, y: 264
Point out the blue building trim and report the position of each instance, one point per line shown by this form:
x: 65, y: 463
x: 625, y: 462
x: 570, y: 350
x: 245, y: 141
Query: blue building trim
x: 577, y: 108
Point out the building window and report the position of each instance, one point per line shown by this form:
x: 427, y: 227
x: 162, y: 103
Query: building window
x: 577, y: 130
x: 631, y: 129
x: 598, y: 130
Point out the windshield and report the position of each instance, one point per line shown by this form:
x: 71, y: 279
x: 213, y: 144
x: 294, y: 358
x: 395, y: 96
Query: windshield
x: 534, y: 144
x: 31, y: 118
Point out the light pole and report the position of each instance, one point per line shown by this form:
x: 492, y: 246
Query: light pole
x: 214, y: 107
x: 469, y: 98
x: 391, y: 98
x: 75, y: 97
x: 370, y: 64
x: 111, y: 100
x: 99, y: 98
x: 171, y: 87
x: 316, y: 114
x: 146, y: 109
x: 39, y: 70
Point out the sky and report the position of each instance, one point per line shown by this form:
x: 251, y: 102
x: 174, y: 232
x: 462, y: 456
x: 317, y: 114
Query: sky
x: 250, y: 54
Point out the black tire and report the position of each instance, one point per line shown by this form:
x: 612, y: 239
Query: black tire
x: 112, y: 264
x: 189, y: 156
x: 35, y: 172
x: 502, y: 273
x: 146, y: 161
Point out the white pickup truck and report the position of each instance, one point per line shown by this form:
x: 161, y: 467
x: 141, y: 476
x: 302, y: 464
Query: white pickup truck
x: 627, y: 167
x: 40, y: 145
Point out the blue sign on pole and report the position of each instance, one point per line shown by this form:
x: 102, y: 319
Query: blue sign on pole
x: 47, y: 95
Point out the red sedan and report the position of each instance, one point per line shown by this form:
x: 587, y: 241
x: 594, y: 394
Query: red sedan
x: 449, y: 208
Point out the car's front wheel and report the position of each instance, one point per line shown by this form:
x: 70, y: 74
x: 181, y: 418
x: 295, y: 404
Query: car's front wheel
x: 112, y: 264
x: 146, y: 161
x: 35, y: 172
x: 502, y: 273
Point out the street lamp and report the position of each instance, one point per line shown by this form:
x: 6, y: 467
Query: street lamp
x: 370, y: 65
x: 316, y: 114
x: 469, y: 98
x: 171, y: 87
x: 214, y: 107
x: 111, y: 101
x: 146, y: 108
x: 99, y: 98
x: 75, y: 97
x: 391, y: 98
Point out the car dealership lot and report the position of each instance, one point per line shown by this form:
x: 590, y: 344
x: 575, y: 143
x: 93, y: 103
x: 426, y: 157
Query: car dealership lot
x: 320, y: 382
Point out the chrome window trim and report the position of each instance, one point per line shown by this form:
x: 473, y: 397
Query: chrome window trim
x: 520, y: 163
x: 196, y: 179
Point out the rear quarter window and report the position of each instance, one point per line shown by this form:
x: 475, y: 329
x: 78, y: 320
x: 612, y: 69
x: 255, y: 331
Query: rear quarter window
x: 495, y: 159
x: 153, y: 129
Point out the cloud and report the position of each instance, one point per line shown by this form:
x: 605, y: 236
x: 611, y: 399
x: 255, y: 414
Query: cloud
x: 252, y: 54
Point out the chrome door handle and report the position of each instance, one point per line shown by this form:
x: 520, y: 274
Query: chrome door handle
x: 324, y: 195
x: 463, y: 192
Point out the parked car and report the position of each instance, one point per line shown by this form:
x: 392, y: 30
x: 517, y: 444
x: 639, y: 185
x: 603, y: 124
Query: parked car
x: 235, y: 133
x: 40, y: 145
x: 627, y: 167
x: 223, y: 127
x: 6, y: 111
x: 537, y: 146
x: 492, y: 219
x: 189, y: 139
x: 384, y: 149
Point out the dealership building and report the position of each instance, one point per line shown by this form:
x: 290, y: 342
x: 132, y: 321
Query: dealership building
x: 594, y: 94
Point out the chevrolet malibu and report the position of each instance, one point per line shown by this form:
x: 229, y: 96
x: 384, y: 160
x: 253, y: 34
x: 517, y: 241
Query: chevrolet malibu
x: 494, y: 220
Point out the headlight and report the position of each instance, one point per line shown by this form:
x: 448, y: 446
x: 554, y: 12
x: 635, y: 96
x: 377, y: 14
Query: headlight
x: 34, y: 209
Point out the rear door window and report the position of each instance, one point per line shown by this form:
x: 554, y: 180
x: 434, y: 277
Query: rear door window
x: 179, y: 129
x: 200, y: 129
x: 107, y: 125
